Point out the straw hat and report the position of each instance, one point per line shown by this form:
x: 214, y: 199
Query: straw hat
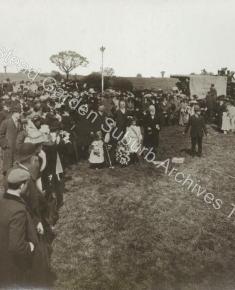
x: 35, y: 136
x: 197, y: 108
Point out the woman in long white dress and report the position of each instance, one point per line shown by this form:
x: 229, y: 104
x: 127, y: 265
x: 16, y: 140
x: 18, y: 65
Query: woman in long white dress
x: 133, y: 138
x: 226, y: 122
x: 184, y: 113
x: 231, y: 113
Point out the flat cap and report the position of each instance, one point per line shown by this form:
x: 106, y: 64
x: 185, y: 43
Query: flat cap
x: 18, y: 175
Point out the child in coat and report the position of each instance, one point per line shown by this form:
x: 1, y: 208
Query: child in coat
x: 96, y: 158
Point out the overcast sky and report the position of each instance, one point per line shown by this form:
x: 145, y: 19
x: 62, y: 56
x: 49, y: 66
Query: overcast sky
x: 140, y: 36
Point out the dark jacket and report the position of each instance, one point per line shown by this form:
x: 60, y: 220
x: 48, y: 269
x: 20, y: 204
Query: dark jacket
x: 197, y: 126
x: 8, y: 136
x: 16, y: 231
x: 121, y: 123
x: 151, y: 131
x: 210, y: 101
x: 3, y: 116
x: 99, y: 122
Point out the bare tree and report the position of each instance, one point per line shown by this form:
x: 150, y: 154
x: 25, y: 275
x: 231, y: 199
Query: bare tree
x: 68, y: 61
x: 204, y: 72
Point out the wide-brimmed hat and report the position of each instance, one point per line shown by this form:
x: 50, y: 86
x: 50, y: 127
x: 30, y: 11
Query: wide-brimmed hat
x: 43, y: 98
x: 192, y: 102
x: 5, y: 97
x: 35, y: 136
x: 92, y: 91
x: 197, y: 108
x: 26, y: 151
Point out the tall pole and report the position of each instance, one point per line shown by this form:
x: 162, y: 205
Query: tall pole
x: 102, y: 49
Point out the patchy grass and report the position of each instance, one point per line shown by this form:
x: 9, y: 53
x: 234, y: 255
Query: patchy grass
x: 136, y: 228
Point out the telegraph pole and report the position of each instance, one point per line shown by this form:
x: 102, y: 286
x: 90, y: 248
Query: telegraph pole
x: 102, y: 49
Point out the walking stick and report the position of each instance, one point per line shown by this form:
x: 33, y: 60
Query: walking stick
x: 109, y: 159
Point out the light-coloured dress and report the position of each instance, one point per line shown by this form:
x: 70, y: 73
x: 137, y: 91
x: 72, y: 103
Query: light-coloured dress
x: 226, y: 124
x: 133, y: 138
x: 184, y: 114
x: 231, y: 112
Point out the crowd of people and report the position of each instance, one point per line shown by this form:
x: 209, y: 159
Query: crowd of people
x: 45, y: 128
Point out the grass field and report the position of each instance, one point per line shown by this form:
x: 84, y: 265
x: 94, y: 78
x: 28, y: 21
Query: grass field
x: 136, y: 228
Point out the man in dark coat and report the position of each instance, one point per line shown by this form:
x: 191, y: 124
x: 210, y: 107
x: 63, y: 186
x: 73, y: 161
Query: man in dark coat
x: 121, y: 118
x: 9, y: 130
x: 151, y: 129
x: 3, y: 113
x: 83, y: 129
x: 213, y: 91
x: 197, y: 130
x: 211, y: 103
x: 99, y: 121
x: 18, y: 237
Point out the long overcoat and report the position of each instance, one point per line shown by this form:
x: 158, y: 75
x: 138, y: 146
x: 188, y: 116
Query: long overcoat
x: 8, y: 135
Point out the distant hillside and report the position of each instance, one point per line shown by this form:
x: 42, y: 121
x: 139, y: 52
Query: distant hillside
x: 153, y: 83
x: 17, y: 77
x: 139, y: 83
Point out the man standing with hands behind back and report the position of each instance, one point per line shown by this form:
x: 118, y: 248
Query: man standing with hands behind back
x: 197, y: 130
